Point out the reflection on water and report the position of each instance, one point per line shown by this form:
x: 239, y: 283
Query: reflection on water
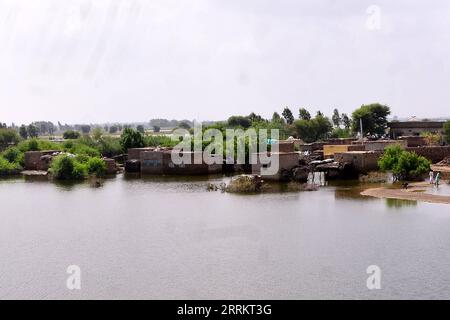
x: 399, y: 203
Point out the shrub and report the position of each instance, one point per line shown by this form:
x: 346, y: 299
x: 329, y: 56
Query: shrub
x: 161, y: 141
x: 33, y: 145
x: 447, y: 132
x: 86, y: 150
x: 96, y: 166
x: 7, y: 167
x: 71, y: 134
x: 65, y: 167
x: 131, y: 138
x: 8, y: 136
x: 110, y: 147
x: 12, y: 154
x: 431, y: 138
x: 403, y: 164
x: 37, y: 144
x: 78, y: 147
x: 79, y: 171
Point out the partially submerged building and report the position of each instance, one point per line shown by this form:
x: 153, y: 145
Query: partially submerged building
x: 159, y: 162
x: 39, y: 160
x: 287, y: 158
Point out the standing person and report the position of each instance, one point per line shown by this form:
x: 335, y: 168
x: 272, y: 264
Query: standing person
x: 438, y: 177
x: 431, y: 177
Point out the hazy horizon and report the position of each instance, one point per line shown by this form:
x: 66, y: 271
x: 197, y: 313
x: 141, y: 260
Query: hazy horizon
x: 99, y: 61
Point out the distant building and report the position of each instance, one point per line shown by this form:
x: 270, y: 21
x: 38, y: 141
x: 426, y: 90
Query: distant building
x: 414, y: 128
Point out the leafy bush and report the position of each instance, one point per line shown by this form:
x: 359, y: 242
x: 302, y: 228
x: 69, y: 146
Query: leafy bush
x: 8, y: 136
x: 11, y: 154
x: 431, y: 138
x: 403, y: 164
x: 79, y: 149
x: 161, y: 141
x: 37, y: 145
x: 131, y: 138
x: 109, y: 146
x: 96, y: 166
x: 7, y: 167
x: 340, y: 133
x: 71, y: 134
x: 447, y: 132
x: 65, y: 167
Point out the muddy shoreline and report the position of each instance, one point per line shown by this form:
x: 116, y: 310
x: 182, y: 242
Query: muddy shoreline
x: 416, y: 192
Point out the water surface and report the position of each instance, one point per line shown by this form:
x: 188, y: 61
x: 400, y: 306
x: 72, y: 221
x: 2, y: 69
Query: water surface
x: 162, y: 238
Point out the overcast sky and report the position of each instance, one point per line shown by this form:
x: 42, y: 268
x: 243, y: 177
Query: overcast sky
x: 133, y: 60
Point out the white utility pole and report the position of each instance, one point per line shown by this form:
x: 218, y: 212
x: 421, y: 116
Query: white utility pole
x: 361, y: 128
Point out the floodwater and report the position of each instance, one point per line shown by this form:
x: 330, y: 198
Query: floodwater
x: 171, y: 239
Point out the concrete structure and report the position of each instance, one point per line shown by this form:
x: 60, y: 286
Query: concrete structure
x: 414, y: 128
x: 362, y: 161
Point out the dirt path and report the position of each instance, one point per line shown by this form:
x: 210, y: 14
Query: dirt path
x: 416, y: 192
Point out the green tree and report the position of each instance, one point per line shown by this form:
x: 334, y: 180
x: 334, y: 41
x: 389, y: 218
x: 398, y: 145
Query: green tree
x: 304, y: 114
x: 255, y: 117
x: 276, y: 118
x: 346, y: 121
x: 374, y: 119
x: 8, y: 136
x: 447, y: 132
x: 23, y: 132
x: 404, y: 165
x: 314, y: 129
x: 97, y: 133
x: 32, y: 131
x: 184, y: 125
x: 131, y: 138
x: 239, y: 121
x: 113, y: 129
x: 288, y: 116
x: 336, y: 118
x: 71, y: 134
x: 85, y: 128
x: 140, y: 128
x: 156, y: 129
